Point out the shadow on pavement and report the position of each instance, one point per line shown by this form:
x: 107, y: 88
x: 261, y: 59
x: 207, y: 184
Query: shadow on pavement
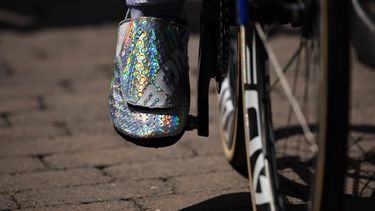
x: 292, y: 130
x: 290, y: 188
x: 360, y: 172
x: 232, y: 201
x: 241, y: 201
x: 358, y: 203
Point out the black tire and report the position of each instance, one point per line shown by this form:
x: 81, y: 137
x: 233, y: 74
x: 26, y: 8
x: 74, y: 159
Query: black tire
x: 329, y: 178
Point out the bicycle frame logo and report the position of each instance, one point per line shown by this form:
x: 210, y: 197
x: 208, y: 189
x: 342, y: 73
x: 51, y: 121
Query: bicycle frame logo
x: 261, y: 181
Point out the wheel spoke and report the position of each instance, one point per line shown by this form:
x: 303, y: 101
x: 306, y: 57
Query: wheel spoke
x: 295, y: 56
x: 287, y: 90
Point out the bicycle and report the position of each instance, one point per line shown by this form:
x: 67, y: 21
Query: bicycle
x: 235, y: 52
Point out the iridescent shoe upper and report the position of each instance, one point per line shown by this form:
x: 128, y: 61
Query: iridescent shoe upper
x: 150, y: 94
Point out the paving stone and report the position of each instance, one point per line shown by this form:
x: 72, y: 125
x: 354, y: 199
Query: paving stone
x: 74, y: 111
x: 18, y: 104
x: 51, y: 179
x: 80, y: 113
x: 20, y: 164
x: 67, y: 46
x: 209, y: 182
x: 60, y: 145
x: 116, y: 156
x: 6, y: 202
x: 204, y: 146
x: 207, y: 145
x: 74, y: 102
x: 169, y: 168
x: 17, y: 90
x: 89, y: 77
x: 30, y: 132
x: 96, y: 206
x: 92, y: 193
x: 94, y: 127
x: 69, y: 123
x: 14, y: 91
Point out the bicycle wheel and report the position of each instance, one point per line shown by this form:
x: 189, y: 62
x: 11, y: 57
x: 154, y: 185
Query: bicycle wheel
x: 258, y: 125
x: 329, y: 177
x: 230, y: 104
x: 232, y: 118
x: 321, y: 108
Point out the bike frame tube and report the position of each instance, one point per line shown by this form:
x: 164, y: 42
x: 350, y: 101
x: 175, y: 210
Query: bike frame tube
x: 242, y: 11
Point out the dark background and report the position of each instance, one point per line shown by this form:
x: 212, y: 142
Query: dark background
x: 36, y: 14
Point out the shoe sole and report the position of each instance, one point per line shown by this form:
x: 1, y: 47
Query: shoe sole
x: 152, y: 143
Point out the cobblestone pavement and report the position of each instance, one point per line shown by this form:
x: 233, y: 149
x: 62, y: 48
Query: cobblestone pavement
x: 57, y: 146
x: 58, y: 149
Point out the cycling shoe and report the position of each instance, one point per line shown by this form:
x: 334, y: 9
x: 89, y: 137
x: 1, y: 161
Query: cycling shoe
x: 150, y: 93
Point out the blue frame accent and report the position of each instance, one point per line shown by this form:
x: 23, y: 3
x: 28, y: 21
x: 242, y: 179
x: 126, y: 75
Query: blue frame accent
x: 242, y: 12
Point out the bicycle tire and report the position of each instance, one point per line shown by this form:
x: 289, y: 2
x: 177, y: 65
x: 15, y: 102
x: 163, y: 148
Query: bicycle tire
x: 258, y: 127
x: 230, y: 105
x: 333, y: 120
x: 232, y: 118
x: 334, y: 105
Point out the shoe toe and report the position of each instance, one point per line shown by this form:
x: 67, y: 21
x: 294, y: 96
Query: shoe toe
x: 145, y: 123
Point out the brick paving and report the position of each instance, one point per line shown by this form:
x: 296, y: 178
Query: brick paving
x: 58, y: 150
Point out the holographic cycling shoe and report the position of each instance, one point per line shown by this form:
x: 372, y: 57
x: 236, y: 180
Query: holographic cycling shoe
x: 150, y: 93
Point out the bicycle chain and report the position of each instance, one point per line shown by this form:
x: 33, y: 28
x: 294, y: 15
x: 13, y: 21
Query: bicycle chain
x: 223, y: 44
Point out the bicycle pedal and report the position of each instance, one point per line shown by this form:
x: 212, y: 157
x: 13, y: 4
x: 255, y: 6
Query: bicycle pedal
x: 192, y: 123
